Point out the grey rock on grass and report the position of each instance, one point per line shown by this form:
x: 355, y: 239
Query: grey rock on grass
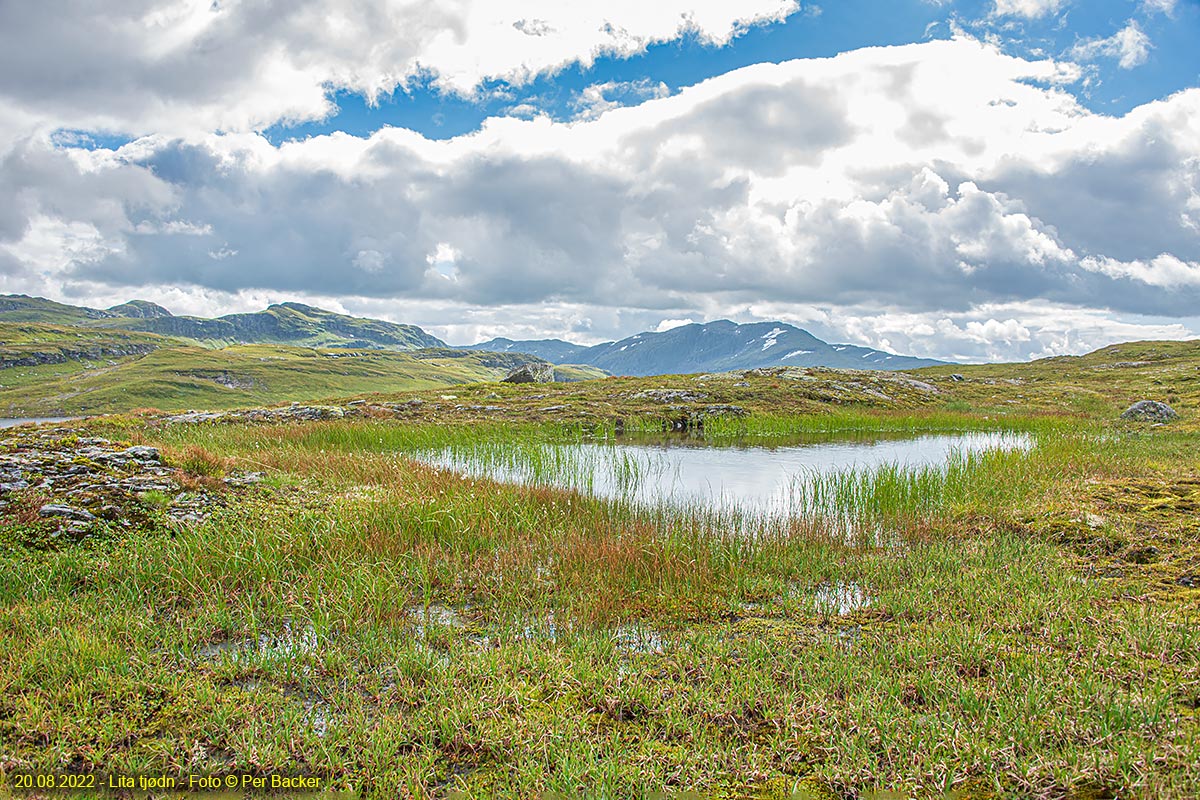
x: 68, y: 512
x: 531, y: 373
x: 1149, y: 411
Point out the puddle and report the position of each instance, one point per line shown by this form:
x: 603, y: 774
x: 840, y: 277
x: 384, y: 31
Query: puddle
x: 12, y: 422
x: 316, y: 713
x: 637, y: 640
x: 290, y: 642
x: 437, y: 627
x: 540, y: 628
x: 436, y: 616
x: 840, y: 599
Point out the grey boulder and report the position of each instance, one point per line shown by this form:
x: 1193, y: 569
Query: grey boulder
x: 67, y: 512
x: 531, y: 373
x: 1149, y: 411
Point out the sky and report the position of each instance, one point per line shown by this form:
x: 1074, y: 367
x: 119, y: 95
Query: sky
x: 962, y: 179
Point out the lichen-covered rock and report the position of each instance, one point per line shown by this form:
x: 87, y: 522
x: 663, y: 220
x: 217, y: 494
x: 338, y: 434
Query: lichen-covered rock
x: 67, y: 512
x: 536, y: 372
x: 670, y: 396
x: 912, y: 383
x: 292, y: 413
x: 75, y: 483
x: 1149, y: 411
x: 142, y: 452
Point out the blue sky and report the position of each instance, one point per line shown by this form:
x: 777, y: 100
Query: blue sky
x: 815, y: 31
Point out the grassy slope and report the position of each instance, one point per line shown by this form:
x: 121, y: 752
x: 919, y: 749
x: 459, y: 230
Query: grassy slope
x: 288, y: 323
x: 41, y: 310
x: 244, y: 375
x: 1100, y: 381
x: 571, y: 373
x: 411, y: 633
x: 21, y: 338
x: 293, y: 324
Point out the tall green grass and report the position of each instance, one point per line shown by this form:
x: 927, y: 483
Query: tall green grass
x: 581, y: 459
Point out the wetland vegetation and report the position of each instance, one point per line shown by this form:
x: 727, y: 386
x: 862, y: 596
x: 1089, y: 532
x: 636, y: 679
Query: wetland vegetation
x: 1012, y: 622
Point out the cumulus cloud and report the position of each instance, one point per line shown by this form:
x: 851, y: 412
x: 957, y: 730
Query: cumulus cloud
x: 670, y: 324
x: 879, y: 189
x: 1130, y: 46
x: 179, y: 66
x: 1001, y: 332
x: 1165, y: 271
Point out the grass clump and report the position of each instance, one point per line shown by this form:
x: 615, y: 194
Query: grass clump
x: 198, y: 461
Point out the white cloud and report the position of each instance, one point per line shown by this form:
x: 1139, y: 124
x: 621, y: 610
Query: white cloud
x: 178, y: 66
x: 1165, y: 271
x: 594, y: 100
x: 1130, y: 46
x: 1006, y: 332
x: 669, y: 324
x: 1028, y: 8
x: 936, y: 181
x: 1160, y: 6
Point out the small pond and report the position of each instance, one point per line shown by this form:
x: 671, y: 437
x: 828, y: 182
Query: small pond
x: 12, y: 422
x: 686, y: 471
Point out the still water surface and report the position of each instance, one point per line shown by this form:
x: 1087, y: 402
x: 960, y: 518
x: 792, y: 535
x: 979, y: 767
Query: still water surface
x: 690, y: 472
x: 6, y: 422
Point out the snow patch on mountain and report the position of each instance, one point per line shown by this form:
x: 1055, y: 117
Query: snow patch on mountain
x: 772, y: 338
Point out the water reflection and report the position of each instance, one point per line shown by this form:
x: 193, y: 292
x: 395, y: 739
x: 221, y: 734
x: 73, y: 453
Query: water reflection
x: 687, y: 470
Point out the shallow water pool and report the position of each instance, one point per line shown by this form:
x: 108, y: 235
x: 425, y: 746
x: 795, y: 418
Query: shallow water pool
x: 687, y: 471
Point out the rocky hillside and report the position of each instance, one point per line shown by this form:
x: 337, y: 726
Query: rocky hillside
x: 32, y: 345
x: 713, y: 347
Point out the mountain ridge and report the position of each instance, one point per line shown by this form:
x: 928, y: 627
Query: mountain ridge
x: 288, y: 323
x: 718, y: 346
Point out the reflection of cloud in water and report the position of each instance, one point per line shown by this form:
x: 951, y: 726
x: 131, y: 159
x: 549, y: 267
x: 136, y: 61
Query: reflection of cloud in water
x: 840, y: 598
x: 769, y: 479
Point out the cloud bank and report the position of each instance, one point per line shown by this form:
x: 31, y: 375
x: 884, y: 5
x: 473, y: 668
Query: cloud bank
x: 940, y: 198
x: 149, y: 66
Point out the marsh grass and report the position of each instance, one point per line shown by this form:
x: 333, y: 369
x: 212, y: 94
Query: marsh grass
x: 411, y: 631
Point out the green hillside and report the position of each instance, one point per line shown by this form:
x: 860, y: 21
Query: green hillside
x: 32, y: 345
x: 285, y: 323
x: 21, y: 308
x: 176, y: 378
x: 292, y: 323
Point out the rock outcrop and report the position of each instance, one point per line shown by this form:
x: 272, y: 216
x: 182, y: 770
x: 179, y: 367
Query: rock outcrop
x: 61, y: 356
x: 534, y: 372
x: 1149, y: 411
x: 76, y: 485
x: 292, y: 413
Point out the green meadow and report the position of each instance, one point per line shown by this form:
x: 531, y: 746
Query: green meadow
x: 1016, y: 623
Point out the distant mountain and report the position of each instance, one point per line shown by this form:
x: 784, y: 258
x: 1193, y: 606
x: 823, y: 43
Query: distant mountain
x: 554, y: 350
x: 712, y: 347
x: 139, y: 309
x: 295, y: 324
x: 22, y: 308
x: 285, y: 323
